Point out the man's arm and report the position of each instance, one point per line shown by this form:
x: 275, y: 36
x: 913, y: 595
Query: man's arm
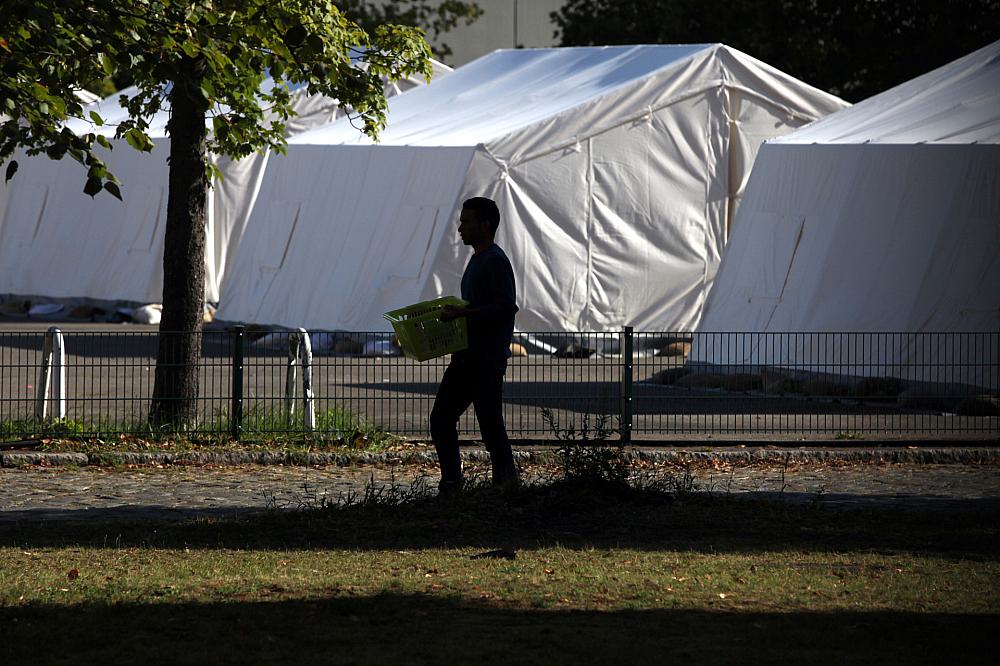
x: 502, y: 297
x: 449, y: 312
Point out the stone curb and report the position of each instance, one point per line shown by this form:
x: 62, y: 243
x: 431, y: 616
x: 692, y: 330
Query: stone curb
x: 924, y: 456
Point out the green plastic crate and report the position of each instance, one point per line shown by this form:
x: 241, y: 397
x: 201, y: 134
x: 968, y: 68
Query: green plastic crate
x: 423, y: 335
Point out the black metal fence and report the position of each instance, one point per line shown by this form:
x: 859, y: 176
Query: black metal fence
x: 655, y: 385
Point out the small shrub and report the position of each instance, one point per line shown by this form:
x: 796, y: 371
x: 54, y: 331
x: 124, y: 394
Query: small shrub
x: 587, y: 456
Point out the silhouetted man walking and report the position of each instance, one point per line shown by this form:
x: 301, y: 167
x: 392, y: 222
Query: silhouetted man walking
x: 475, y: 376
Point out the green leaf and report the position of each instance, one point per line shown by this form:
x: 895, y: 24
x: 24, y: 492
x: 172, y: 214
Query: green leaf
x: 93, y: 186
x: 11, y: 169
x: 43, y: 108
x: 138, y: 140
x: 133, y: 141
x: 107, y: 64
x: 296, y: 35
x: 96, y: 117
x: 56, y: 151
x: 190, y: 48
x: 103, y: 140
x: 113, y: 189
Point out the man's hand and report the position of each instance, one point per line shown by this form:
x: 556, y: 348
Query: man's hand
x: 450, y: 312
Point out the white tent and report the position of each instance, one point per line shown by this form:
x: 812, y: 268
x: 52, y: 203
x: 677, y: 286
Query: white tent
x: 616, y: 170
x: 57, y: 242
x: 884, y: 217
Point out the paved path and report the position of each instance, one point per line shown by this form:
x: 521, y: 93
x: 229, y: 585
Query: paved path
x: 175, y: 492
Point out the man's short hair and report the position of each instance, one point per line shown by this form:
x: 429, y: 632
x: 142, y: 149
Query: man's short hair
x: 486, y: 211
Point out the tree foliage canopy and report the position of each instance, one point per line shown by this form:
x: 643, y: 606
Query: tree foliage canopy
x: 220, y: 51
x: 853, y: 48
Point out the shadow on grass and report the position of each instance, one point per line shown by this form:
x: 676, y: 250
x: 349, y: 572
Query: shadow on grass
x: 417, y: 629
x: 554, y: 514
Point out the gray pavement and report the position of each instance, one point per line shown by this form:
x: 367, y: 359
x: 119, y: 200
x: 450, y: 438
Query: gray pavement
x: 32, y: 494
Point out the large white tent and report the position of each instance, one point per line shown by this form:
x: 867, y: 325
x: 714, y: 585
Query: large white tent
x: 57, y: 242
x: 881, y: 218
x: 617, y: 171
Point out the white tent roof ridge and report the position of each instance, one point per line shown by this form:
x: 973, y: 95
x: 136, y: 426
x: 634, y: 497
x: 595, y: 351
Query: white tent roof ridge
x: 470, y: 71
x: 956, y: 103
x: 428, y: 116
x: 641, y: 114
x: 720, y: 79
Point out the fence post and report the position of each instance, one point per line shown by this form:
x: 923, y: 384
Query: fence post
x: 53, y: 358
x: 236, y: 411
x: 305, y: 357
x: 625, y: 423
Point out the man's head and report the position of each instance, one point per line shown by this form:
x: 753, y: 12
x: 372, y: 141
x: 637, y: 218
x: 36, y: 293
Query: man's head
x: 478, y: 222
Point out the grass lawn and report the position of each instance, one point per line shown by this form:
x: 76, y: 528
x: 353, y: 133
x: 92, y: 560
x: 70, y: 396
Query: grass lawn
x: 581, y: 574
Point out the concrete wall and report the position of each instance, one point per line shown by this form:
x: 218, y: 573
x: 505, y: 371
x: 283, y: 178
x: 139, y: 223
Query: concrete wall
x: 496, y: 29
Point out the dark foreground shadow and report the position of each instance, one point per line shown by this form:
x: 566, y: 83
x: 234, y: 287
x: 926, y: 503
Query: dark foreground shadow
x: 557, y: 514
x: 415, y: 629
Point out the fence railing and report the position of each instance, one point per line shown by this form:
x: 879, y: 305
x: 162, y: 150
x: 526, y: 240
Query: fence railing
x: 664, y: 385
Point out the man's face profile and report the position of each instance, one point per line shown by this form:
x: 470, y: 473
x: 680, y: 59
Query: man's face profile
x: 471, y: 230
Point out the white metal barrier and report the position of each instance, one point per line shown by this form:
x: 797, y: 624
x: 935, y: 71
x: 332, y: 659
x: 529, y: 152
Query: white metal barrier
x: 300, y: 353
x: 52, y: 377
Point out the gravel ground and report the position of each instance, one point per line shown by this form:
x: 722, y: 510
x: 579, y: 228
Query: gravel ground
x: 177, y: 491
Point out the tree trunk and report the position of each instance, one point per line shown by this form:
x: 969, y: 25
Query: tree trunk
x: 175, y: 391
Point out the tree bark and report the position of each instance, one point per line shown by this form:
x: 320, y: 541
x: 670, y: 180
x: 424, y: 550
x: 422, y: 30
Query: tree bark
x: 175, y: 391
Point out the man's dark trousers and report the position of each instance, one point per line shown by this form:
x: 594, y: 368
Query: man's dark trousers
x: 469, y: 380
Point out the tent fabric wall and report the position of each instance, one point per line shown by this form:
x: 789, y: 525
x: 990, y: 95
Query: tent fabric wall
x: 57, y: 242
x: 874, y: 221
x: 343, y: 236
x: 81, y: 246
x: 616, y: 170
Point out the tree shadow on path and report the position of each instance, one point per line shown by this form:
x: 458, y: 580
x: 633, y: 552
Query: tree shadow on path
x: 576, y: 516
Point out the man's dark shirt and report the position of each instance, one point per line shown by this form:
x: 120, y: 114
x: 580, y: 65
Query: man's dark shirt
x: 488, y: 284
